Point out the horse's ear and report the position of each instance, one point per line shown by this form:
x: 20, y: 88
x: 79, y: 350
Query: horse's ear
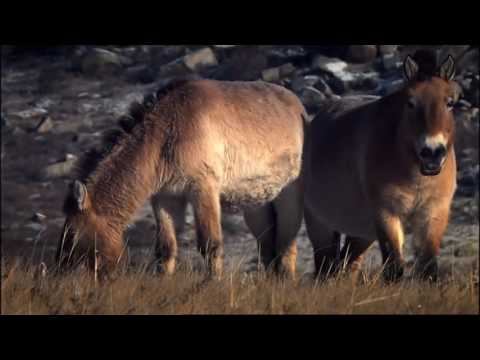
x: 410, y: 67
x: 447, y: 69
x: 80, y: 194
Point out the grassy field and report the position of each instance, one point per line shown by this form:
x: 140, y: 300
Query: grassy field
x: 32, y: 290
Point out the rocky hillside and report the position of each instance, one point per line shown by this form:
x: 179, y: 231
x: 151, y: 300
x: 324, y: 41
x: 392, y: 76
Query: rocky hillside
x: 57, y: 101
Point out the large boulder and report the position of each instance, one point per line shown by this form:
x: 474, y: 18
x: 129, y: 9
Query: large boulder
x: 361, y: 53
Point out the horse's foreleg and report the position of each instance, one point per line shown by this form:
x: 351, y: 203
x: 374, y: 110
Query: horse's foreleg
x: 428, y: 234
x: 206, y: 205
x: 391, y: 236
x: 169, y: 215
x: 325, y: 243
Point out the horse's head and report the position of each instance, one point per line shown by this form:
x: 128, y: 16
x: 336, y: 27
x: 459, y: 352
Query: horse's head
x: 428, y: 123
x: 84, y: 233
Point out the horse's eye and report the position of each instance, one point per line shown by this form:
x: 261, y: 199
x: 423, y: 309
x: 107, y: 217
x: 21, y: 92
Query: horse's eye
x: 450, y: 103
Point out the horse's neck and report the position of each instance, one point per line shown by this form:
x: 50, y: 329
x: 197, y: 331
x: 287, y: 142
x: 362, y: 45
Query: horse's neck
x: 122, y: 185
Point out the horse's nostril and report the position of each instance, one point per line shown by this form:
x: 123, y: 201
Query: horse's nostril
x: 426, y: 152
x: 440, y: 152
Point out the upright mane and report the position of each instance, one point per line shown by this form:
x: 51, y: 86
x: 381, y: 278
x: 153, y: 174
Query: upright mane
x: 115, y: 137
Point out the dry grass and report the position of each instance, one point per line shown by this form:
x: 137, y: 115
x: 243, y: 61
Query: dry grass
x: 25, y: 290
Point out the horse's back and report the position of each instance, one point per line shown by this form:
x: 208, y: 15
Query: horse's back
x: 248, y: 136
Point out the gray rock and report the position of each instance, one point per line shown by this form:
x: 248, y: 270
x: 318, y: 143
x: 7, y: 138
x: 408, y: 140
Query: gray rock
x: 323, y: 87
x: 390, y: 61
x: 464, y: 104
x: 200, y: 60
x: 311, y: 98
x: 387, y: 49
x: 244, y: 63
x: 361, y: 53
x: 100, y: 62
x: 328, y: 64
x: 45, y: 125
x: 60, y: 169
x: 142, y: 74
x: 390, y: 86
x: 30, y: 113
x: 160, y: 55
x: 299, y: 82
x: 277, y: 73
x: 38, y: 217
x: 35, y: 226
x: 338, y: 85
x: 18, y: 131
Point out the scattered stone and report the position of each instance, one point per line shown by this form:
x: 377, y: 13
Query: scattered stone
x: 141, y: 74
x: 161, y: 55
x: 277, y: 73
x: 323, y: 87
x: 338, y: 85
x: 35, y: 226
x: 45, y: 125
x: 464, y: 104
x: 38, y: 217
x: 390, y: 86
x: 390, y: 61
x: 300, y: 82
x: 200, y: 60
x: 100, y: 62
x: 369, y: 83
x: 328, y: 64
x: 244, y: 63
x: 31, y: 113
x: 361, y: 53
x: 44, y: 103
x: 70, y: 157
x: 34, y: 196
x: 311, y: 98
x: 18, y: 131
x: 58, y: 170
x: 387, y: 49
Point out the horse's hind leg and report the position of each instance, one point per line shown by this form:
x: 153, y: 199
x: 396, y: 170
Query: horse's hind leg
x: 169, y: 212
x: 289, y: 214
x: 206, y: 205
x: 261, y: 222
x: 325, y: 243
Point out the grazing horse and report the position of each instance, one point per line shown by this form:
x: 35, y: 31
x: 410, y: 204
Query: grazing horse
x: 214, y: 144
x: 372, y: 168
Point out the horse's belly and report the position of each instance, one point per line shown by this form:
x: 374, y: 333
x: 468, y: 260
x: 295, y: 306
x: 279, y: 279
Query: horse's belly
x: 261, y: 181
x: 352, y: 217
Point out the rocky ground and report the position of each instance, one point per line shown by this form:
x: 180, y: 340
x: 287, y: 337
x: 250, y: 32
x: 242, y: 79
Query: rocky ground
x: 57, y: 101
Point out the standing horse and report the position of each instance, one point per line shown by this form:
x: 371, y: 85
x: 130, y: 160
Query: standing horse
x: 216, y: 143
x: 372, y: 169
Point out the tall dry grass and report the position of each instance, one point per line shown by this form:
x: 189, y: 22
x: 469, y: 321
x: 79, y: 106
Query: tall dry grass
x: 33, y: 290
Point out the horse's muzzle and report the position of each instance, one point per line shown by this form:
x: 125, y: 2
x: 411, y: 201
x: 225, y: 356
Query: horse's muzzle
x: 430, y: 169
x: 431, y: 160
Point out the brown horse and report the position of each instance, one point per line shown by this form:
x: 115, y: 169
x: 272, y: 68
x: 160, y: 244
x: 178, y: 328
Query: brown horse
x: 207, y: 142
x: 371, y: 169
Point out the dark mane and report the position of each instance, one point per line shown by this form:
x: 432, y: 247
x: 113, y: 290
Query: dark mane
x: 135, y: 116
x: 427, y: 61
